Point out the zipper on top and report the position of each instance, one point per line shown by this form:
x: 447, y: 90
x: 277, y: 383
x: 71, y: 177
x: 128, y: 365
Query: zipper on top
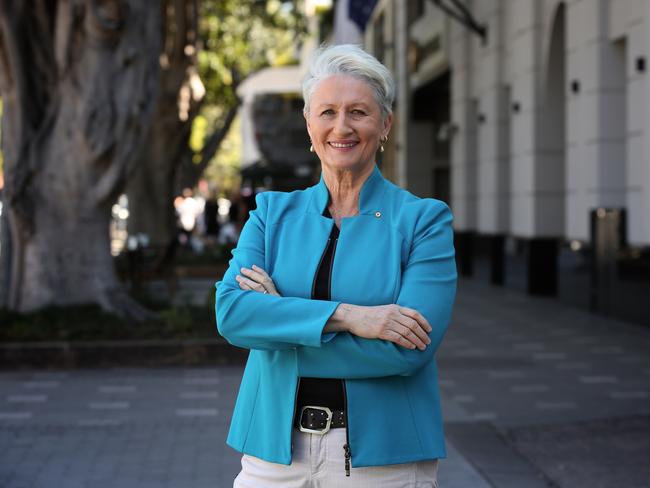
x: 346, y: 447
x: 329, y: 278
x: 320, y: 262
x: 293, y: 417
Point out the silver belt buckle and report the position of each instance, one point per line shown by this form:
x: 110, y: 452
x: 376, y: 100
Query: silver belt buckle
x: 316, y: 431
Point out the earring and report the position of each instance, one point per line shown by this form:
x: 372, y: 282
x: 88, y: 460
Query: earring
x: 383, y: 140
x: 311, y: 148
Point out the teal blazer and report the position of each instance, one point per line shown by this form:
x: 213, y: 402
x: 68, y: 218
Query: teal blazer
x: 399, y: 249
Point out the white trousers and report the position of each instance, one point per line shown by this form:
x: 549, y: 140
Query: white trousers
x: 319, y: 462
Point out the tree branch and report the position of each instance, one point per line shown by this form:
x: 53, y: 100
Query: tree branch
x: 6, y: 76
x: 179, y: 40
x: 213, y: 142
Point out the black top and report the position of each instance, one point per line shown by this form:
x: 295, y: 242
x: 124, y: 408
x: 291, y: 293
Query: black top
x: 323, y: 392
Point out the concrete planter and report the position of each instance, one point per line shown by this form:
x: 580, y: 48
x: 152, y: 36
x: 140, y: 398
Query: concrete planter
x: 103, y: 354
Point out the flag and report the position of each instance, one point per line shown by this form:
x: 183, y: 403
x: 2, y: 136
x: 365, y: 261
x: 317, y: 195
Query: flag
x: 360, y: 11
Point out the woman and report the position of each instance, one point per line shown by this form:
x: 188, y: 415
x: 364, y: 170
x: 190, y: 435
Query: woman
x: 342, y: 292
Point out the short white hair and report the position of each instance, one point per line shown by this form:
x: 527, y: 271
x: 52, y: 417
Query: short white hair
x: 351, y: 60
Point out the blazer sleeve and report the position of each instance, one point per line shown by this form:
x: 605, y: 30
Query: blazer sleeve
x: 253, y: 320
x: 428, y: 286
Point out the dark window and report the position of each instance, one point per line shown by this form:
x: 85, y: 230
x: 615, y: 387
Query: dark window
x: 415, y: 10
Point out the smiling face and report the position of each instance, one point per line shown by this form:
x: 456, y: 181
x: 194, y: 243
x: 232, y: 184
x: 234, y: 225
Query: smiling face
x: 345, y: 123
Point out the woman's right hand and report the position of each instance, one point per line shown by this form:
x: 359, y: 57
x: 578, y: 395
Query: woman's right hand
x: 401, y: 325
x: 256, y: 279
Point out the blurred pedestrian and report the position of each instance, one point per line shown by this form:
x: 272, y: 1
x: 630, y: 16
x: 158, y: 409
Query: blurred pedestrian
x: 343, y: 293
x: 230, y: 230
x: 211, y: 218
x: 189, y: 208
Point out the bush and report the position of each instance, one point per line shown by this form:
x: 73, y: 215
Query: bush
x: 91, y: 323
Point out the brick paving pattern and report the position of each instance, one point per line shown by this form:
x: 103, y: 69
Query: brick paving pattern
x: 518, y: 375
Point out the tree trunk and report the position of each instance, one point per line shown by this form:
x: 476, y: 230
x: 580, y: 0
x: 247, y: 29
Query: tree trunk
x: 79, y: 79
x: 151, y: 188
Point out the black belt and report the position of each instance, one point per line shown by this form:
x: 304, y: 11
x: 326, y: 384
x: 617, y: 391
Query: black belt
x: 319, y: 420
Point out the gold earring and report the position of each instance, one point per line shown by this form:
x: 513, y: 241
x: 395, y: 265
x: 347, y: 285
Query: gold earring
x: 383, y: 140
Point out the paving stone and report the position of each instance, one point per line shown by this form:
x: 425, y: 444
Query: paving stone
x: 578, y: 373
x: 601, y: 453
x: 166, y: 427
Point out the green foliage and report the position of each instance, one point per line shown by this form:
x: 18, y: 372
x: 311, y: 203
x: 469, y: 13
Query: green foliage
x: 199, y: 132
x: 90, y: 323
x: 84, y: 323
x: 244, y: 36
x: 224, y: 167
x: 238, y: 38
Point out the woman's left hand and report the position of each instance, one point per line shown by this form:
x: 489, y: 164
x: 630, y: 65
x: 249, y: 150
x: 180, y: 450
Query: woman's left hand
x: 256, y: 279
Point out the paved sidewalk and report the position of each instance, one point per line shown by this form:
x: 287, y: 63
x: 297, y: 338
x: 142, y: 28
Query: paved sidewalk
x: 534, y: 394
x: 129, y: 428
x: 122, y: 428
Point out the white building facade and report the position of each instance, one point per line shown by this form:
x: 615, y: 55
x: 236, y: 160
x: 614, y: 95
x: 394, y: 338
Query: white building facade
x: 537, y: 134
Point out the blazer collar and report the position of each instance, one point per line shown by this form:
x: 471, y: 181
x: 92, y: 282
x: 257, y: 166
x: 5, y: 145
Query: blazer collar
x: 370, y: 199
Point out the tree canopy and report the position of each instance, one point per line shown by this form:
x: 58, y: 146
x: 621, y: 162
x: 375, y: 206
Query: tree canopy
x: 236, y: 39
x: 240, y: 37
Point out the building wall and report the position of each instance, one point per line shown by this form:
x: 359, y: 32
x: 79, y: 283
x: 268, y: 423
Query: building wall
x: 464, y: 117
x: 549, y: 121
x: 627, y: 27
x: 547, y: 116
x: 596, y: 114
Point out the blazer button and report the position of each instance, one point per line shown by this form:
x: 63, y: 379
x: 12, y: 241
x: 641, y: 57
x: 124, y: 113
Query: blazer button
x: 377, y: 214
